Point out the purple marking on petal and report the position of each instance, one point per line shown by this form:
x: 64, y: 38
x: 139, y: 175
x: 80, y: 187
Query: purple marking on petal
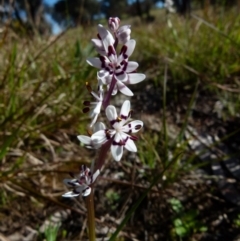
x: 120, y: 73
x: 124, y: 117
x: 119, y: 119
x: 130, y: 126
x: 102, y: 59
x: 124, y: 64
x: 123, y: 51
x: 75, y: 191
x: 70, y: 184
x: 112, y: 122
x: 111, y: 50
x: 138, y: 127
x: 120, y: 143
x: 98, y: 35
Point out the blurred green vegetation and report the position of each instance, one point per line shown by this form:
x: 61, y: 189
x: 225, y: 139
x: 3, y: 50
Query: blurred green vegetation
x: 43, y: 86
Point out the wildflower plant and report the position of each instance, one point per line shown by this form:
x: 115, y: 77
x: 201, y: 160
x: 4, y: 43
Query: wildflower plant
x: 115, y: 73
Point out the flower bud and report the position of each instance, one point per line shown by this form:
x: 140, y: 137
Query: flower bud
x: 113, y: 23
x: 123, y: 34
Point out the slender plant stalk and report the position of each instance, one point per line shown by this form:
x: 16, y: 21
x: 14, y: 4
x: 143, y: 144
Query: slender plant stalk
x: 165, y: 134
x: 91, y: 216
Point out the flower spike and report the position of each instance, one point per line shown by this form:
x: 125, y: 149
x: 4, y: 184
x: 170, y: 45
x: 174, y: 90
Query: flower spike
x: 115, y: 70
x: 82, y: 183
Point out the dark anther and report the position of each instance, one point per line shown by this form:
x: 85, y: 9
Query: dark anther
x: 87, y: 103
x: 86, y: 110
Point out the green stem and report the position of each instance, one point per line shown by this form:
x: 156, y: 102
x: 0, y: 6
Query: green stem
x: 91, y: 216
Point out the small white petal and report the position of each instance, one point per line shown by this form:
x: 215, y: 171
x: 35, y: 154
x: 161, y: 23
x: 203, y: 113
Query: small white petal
x: 94, y: 117
x: 106, y: 37
x: 117, y: 152
x: 95, y: 62
x: 122, y: 77
x: 130, y: 145
x: 99, y: 46
x: 96, y: 96
x: 125, y: 109
x: 71, y: 182
x: 133, y: 126
x: 95, y: 175
x: 109, y: 79
x: 124, y: 27
x: 115, y: 89
x: 97, y: 43
x: 99, y: 137
x: 130, y: 44
x: 86, y: 140
x: 100, y: 84
x: 104, y: 76
x: 124, y: 89
x: 98, y: 126
x: 97, y: 108
x: 131, y: 66
x: 86, y: 191
x: 70, y: 194
x: 117, y: 148
x: 135, y: 78
x: 111, y: 113
x: 123, y: 33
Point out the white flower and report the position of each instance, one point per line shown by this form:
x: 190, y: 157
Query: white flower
x: 94, y: 106
x: 87, y: 141
x: 169, y: 5
x: 82, y: 183
x: 123, y: 33
x: 119, y: 135
x: 115, y: 69
x: 113, y: 23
